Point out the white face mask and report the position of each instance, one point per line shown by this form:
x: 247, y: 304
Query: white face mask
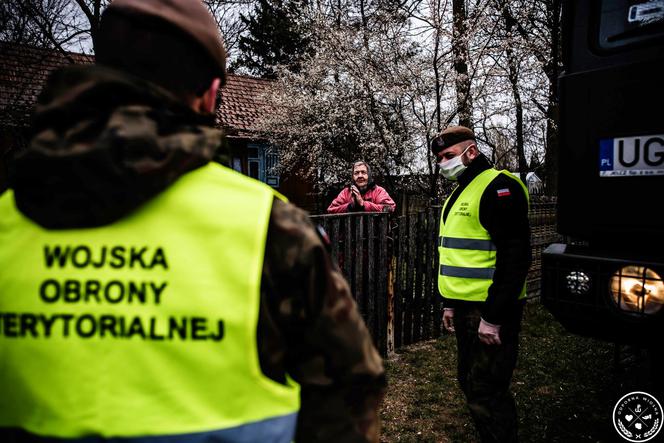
x: 451, y: 169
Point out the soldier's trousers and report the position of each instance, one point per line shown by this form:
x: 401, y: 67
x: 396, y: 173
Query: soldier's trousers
x: 485, y: 373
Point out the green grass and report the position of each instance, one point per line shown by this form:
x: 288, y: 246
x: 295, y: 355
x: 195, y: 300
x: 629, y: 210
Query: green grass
x: 565, y: 387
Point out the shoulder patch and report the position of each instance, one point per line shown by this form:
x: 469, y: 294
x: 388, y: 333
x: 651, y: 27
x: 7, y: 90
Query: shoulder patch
x: 504, y: 192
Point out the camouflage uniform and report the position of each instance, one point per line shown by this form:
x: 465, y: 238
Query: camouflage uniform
x: 485, y: 372
x: 105, y: 142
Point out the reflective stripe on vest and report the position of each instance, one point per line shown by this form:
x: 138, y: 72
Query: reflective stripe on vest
x: 465, y: 272
x: 466, y: 243
x: 145, y: 327
x: 466, y: 252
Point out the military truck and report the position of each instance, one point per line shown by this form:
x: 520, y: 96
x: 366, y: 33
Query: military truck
x: 606, y: 279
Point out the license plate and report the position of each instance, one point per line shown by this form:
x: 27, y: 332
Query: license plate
x: 631, y: 156
x: 646, y: 12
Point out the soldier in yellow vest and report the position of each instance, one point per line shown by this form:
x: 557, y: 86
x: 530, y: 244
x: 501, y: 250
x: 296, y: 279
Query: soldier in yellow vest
x: 484, y: 251
x: 150, y: 294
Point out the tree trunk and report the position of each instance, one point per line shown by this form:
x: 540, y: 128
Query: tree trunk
x: 552, y: 140
x: 460, y: 51
x: 513, y: 74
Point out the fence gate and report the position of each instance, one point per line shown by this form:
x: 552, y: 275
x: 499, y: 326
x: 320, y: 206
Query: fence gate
x: 362, y: 245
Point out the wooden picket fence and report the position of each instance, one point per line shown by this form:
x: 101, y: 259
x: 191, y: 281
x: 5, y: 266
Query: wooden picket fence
x: 391, y: 264
x: 362, y: 244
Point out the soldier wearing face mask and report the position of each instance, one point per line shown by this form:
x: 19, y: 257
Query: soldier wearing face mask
x: 484, y: 251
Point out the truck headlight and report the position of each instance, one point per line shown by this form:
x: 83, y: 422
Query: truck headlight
x: 577, y: 282
x: 637, y: 289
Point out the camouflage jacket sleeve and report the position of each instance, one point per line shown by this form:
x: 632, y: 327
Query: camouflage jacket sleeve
x: 310, y: 328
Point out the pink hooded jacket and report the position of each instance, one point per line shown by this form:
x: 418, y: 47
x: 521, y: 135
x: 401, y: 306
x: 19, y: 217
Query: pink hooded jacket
x: 376, y: 199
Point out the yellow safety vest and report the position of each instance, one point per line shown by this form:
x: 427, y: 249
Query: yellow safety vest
x: 144, y: 327
x: 467, y: 253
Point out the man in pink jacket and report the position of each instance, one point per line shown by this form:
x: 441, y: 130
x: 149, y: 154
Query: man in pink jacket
x: 363, y: 195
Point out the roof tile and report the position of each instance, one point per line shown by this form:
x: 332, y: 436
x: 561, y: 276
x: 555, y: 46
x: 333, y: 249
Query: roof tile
x: 24, y: 70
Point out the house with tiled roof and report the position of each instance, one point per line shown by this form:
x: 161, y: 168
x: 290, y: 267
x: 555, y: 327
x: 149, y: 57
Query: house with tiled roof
x: 242, y: 105
x: 23, y: 72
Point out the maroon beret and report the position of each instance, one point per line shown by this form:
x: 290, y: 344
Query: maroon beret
x: 451, y: 136
x: 189, y: 16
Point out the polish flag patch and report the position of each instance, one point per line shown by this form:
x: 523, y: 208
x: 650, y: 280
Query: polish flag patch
x: 503, y: 192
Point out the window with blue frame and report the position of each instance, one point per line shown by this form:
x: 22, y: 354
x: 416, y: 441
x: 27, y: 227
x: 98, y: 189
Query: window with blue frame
x: 262, y: 161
